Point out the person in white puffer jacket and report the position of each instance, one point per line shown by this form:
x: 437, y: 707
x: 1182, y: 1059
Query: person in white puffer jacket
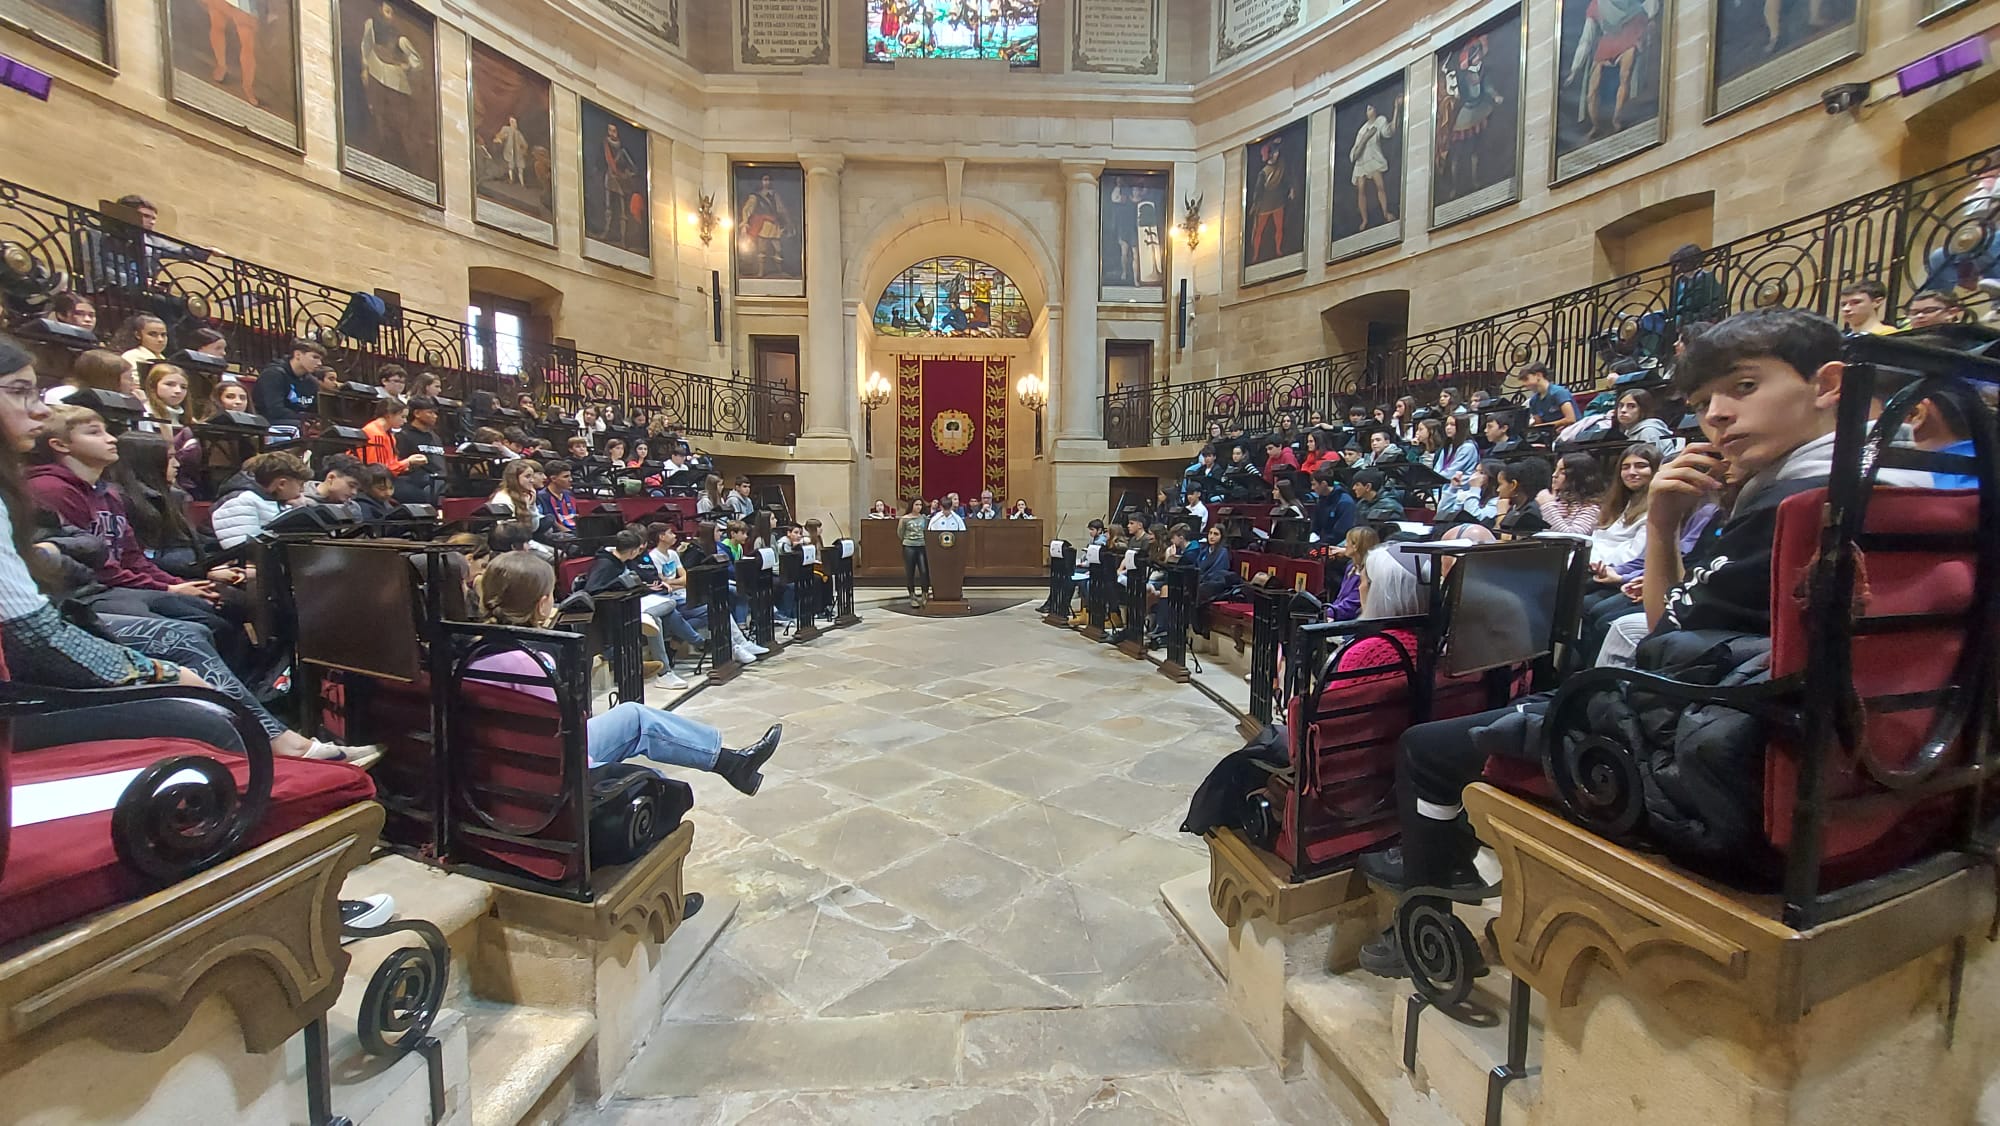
x: 280, y: 482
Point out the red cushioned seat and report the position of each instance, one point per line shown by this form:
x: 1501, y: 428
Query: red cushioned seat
x: 569, y: 572
x: 1345, y: 802
x: 60, y: 871
x: 1869, y: 829
x: 513, y: 782
x: 454, y: 509
x: 1233, y: 611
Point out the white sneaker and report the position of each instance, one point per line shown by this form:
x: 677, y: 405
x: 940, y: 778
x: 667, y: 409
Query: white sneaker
x: 745, y: 654
x: 367, y: 912
x: 669, y: 679
x: 755, y: 648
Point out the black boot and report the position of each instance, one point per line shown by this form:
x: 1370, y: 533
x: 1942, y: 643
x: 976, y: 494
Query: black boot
x: 739, y: 768
x: 1432, y: 854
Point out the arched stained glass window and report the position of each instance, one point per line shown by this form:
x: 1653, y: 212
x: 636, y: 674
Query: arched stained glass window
x: 952, y: 297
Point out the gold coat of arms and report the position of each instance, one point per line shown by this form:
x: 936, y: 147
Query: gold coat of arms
x: 951, y: 432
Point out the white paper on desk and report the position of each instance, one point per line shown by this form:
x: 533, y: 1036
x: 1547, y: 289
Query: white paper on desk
x: 811, y: 554
x: 37, y: 802
x: 847, y: 549
x: 1094, y: 552
x: 1413, y: 526
x: 1055, y: 549
x: 1131, y: 557
x: 770, y: 558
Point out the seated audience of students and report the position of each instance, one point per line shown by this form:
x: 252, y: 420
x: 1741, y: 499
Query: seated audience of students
x: 41, y: 647
x: 1766, y: 387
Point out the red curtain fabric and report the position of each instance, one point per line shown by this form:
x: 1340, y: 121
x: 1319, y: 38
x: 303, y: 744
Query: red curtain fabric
x: 951, y: 433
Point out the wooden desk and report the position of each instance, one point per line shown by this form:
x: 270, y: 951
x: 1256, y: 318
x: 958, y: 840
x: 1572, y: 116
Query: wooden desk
x: 1001, y: 549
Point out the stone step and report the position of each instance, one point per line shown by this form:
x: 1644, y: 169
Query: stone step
x: 523, y: 1062
x: 382, y: 1091
x: 454, y: 904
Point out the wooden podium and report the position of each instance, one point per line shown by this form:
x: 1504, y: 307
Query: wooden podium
x: 946, y: 553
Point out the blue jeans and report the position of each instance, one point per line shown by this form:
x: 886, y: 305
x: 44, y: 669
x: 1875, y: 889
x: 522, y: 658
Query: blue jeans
x: 633, y: 728
x: 672, y: 624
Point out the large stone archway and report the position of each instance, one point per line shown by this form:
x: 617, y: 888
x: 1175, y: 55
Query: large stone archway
x: 969, y: 228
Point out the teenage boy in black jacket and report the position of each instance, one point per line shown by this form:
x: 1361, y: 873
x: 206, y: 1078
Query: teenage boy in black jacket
x: 1766, y: 386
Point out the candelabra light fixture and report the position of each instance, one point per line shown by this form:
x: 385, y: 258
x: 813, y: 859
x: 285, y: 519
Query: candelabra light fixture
x: 874, y: 393
x: 705, y: 218
x: 1191, y: 226
x: 1033, y: 391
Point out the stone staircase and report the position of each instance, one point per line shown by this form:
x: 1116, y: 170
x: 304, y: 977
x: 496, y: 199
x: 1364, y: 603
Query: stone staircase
x: 1345, y: 1028
x: 514, y: 1053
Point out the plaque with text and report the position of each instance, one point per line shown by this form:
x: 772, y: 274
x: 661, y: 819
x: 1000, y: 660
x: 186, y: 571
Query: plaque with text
x: 1243, y: 24
x: 1115, y: 36
x: 783, y: 33
x: 660, y: 19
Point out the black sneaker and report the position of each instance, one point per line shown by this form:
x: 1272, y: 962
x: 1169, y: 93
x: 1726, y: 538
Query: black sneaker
x: 1384, y: 956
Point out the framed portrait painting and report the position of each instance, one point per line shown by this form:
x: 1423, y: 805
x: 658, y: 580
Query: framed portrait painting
x: 238, y: 62
x: 1132, y: 230
x: 617, y: 190
x: 385, y: 59
x: 1476, y: 125
x: 79, y: 27
x: 513, y: 165
x: 1368, y: 158
x: 768, y: 213
x: 1611, y: 77
x: 1274, y: 204
x: 1758, y: 49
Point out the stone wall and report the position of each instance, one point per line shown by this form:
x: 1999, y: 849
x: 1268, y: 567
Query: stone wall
x: 940, y: 160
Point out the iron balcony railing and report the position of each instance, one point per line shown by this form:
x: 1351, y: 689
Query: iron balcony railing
x: 260, y: 310
x: 1937, y: 230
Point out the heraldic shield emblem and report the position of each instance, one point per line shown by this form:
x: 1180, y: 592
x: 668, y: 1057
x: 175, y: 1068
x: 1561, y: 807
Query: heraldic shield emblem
x: 951, y: 432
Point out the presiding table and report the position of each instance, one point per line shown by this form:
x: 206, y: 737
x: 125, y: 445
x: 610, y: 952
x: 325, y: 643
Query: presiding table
x: 998, y: 549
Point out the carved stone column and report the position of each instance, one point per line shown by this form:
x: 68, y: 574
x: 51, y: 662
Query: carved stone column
x: 1082, y: 363
x: 827, y: 383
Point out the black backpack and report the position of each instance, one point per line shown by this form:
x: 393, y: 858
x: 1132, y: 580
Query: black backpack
x: 632, y: 808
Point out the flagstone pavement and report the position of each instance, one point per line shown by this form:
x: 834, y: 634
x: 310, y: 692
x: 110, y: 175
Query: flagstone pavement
x: 949, y: 897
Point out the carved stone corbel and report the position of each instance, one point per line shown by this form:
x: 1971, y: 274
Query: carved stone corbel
x: 1572, y: 900
x: 261, y: 930
x: 1245, y: 882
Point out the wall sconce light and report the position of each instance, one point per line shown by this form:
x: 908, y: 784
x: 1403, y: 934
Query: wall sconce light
x: 705, y: 219
x: 1191, y: 226
x: 1033, y: 391
x: 874, y: 393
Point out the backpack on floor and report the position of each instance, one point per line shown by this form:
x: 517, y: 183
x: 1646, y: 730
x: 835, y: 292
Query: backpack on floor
x: 632, y: 808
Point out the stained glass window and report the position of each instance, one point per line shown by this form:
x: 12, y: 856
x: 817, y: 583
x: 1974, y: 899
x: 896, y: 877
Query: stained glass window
x: 952, y: 297
x: 955, y: 29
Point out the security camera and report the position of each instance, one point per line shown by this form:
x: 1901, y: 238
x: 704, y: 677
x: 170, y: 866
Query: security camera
x: 1843, y: 98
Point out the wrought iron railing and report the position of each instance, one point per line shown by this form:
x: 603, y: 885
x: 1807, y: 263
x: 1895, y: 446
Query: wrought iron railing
x: 1941, y: 228
x: 260, y: 310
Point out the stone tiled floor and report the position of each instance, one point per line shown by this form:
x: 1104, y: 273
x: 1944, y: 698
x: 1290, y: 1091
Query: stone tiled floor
x: 949, y: 897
